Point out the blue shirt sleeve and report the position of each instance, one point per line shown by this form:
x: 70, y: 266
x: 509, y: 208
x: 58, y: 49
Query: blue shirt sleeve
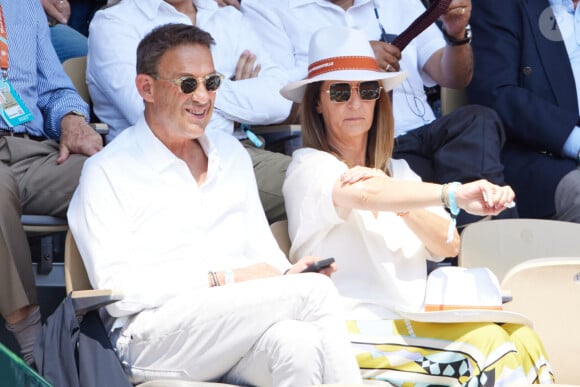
x: 572, y: 145
x: 35, y: 71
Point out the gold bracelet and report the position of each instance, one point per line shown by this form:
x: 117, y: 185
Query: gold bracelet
x: 444, y: 196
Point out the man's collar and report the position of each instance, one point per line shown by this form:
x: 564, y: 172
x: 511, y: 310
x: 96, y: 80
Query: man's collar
x: 151, y: 7
x: 299, y: 3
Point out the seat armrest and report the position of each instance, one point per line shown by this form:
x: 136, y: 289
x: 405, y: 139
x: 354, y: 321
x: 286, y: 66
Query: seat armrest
x: 506, y: 296
x: 100, y: 127
x: 85, y: 301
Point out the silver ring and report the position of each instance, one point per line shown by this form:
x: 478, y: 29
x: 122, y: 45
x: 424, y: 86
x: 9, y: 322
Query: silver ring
x: 388, y: 67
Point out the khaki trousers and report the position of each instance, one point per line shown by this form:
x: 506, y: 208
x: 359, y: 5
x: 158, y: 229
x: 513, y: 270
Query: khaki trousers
x: 30, y: 183
x: 270, y: 171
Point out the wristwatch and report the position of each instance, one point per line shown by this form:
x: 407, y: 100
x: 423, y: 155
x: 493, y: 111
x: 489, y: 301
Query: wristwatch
x: 458, y: 42
x: 76, y: 113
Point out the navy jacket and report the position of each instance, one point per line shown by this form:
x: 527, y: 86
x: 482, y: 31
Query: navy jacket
x: 525, y: 75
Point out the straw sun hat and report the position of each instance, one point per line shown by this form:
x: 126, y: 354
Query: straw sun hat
x: 342, y: 54
x: 459, y: 294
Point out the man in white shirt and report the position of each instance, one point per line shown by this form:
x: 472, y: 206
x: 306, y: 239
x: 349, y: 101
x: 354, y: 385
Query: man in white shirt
x: 195, y: 307
x: 249, y: 93
x: 462, y: 146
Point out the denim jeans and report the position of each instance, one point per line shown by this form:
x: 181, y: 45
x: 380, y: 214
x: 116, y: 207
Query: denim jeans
x: 68, y: 42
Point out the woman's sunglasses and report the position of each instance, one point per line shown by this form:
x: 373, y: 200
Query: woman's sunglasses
x: 188, y: 85
x: 341, y: 92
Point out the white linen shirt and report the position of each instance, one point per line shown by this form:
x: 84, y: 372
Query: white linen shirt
x: 115, y: 33
x: 287, y: 25
x: 381, y: 262
x: 143, y: 225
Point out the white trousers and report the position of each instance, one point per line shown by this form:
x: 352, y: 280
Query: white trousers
x: 279, y: 331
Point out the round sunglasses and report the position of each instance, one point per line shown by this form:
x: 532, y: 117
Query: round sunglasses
x: 341, y: 91
x: 188, y: 84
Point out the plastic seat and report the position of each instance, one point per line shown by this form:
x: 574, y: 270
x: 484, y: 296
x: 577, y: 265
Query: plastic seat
x: 46, y: 229
x: 280, y: 231
x: 503, y: 243
x: 547, y: 290
x: 452, y: 99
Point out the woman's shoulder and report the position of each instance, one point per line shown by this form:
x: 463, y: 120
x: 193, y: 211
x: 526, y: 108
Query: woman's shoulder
x: 313, y: 157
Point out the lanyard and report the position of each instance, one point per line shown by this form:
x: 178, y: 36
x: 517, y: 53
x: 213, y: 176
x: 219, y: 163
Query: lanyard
x: 3, y: 46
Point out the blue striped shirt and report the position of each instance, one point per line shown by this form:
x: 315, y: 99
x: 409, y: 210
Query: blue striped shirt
x: 35, y: 71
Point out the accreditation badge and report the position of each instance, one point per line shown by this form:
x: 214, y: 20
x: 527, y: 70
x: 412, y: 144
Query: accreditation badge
x: 13, y: 110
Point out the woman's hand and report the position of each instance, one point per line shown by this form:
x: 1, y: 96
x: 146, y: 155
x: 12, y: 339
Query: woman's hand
x: 304, y: 262
x: 484, y: 198
x: 358, y: 173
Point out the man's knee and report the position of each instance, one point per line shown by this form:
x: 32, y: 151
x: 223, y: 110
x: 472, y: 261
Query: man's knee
x: 483, y: 118
x: 567, y: 197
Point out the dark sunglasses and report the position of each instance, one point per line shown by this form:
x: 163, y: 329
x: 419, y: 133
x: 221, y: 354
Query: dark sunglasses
x: 188, y: 85
x: 341, y: 92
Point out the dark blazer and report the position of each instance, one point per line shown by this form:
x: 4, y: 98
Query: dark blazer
x: 528, y: 80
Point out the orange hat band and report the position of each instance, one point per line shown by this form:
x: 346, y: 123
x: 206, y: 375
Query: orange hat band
x: 342, y: 63
x: 441, y: 307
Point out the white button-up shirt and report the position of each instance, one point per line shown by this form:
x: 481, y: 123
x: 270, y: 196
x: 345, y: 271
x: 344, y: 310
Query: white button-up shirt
x: 113, y: 39
x: 145, y: 227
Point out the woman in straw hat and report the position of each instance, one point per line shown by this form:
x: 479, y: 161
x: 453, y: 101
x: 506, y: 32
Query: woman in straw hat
x: 346, y: 198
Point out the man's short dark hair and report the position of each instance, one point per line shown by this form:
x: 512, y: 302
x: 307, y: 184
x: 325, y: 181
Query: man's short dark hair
x: 163, y: 38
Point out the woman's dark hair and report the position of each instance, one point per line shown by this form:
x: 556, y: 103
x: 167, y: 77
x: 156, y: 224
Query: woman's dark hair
x: 163, y: 38
x: 380, y: 138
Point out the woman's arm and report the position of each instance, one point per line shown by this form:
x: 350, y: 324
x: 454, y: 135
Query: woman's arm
x: 371, y: 189
x: 432, y: 230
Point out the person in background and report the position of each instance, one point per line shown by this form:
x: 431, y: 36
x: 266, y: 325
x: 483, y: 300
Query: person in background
x: 44, y: 141
x: 195, y: 306
x: 527, y: 68
x: 346, y: 197
x: 462, y: 146
x: 249, y: 93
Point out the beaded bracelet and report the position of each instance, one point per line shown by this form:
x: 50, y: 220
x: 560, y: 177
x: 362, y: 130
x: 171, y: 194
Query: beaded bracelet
x: 214, y: 278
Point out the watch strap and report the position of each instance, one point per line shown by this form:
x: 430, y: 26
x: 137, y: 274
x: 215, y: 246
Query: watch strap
x: 458, y: 42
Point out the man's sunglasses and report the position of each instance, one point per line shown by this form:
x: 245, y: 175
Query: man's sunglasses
x: 188, y: 85
x: 341, y: 92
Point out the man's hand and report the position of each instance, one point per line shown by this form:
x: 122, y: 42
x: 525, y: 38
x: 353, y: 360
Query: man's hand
x: 386, y: 55
x: 303, y: 263
x: 456, y: 18
x: 245, y: 68
x: 58, y: 10
x: 77, y: 136
x: 225, y: 3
